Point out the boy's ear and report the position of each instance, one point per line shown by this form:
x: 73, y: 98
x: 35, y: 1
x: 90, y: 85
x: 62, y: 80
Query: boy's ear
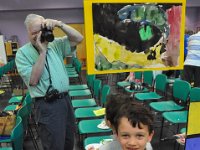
x: 108, y: 123
x: 150, y: 136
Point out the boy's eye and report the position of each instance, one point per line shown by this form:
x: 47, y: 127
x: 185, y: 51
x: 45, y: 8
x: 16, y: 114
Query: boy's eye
x: 140, y: 136
x: 125, y: 135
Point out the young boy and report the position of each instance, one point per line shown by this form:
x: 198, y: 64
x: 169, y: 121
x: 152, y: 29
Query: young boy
x: 119, y: 109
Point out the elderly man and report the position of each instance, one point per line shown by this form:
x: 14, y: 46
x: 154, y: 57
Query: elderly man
x: 40, y: 64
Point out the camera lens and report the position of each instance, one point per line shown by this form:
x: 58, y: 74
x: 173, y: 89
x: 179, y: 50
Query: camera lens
x: 47, y: 35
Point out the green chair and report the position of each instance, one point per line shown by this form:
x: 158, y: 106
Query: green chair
x: 89, y: 79
x: 96, y: 139
x: 16, y: 137
x: 160, y: 86
x: 1, y: 75
x: 77, y: 72
x: 84, y: 92
x: 90, y: 127
x: 123, y: 84
x: 178, y: 117
x: 181, y: 90
x: 148, y: 79
x: 85, y: 113
x: 72, y: 64
x: 14, y: 103
x: 25, y: 112
x: 78, y: 87
x: 183, y: 130
x: 104, y: 93
x: 77, y: 103
x: 147, y: 83
x: 80, y: 93
x: 69, y: 66
x: 15, y: 99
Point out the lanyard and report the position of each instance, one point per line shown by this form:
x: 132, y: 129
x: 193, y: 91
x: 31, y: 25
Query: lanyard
x: 48, y: 69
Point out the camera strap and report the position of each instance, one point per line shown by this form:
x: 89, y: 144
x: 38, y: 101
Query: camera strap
x: 47, y: 67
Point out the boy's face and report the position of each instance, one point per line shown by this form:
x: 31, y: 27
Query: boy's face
x: 132, y: 138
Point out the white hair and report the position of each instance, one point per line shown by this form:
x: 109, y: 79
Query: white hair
x: 31, y: 18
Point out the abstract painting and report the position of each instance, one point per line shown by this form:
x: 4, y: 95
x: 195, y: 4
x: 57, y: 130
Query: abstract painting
x: 133, y: 35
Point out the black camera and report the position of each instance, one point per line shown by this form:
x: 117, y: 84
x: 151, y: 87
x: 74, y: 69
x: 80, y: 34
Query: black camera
x: 47, y: 35
x: 51, y: 95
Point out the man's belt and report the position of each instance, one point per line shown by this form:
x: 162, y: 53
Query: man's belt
x: 59, y: 96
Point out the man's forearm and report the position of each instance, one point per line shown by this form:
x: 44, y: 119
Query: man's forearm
x: 73, y: 35
x: 37, y: 69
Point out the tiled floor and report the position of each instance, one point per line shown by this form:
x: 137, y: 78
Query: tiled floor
x: 111, y: 80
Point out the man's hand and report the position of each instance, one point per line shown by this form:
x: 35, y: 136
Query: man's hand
x: 42, y: 47
x: 51, y: 23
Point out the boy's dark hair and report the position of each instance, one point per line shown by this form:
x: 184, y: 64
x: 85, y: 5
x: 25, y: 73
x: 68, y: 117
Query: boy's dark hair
x: 136, y: 113
x: 113, y: 104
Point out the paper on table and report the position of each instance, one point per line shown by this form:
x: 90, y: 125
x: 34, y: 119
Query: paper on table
x: 99, y: 112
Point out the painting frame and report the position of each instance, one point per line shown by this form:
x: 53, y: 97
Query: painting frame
x: 89, y: 35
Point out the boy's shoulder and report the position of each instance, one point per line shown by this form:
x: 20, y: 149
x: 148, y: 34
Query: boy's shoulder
x: 111, y: 145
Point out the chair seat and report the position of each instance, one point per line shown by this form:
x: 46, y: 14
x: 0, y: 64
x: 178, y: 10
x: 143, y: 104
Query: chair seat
x: 15, y: 99
x: 147, y: 96
x: 70, y: 73
x: 176, y: 116
x: 80, y: 93
x: 165, y: 106
x: 5, y: 139
x: 127, y: 89
x: 78, y: 87
x: 10, y: 108
x: 83, y: 103
x: 123, y: 83
x: 183, y: 130
x: 90, y: 126
x: 70, y: 69
x: 96, y: 139
x: 69, y: 65
x: 73, y: 75
x: 6, y: 148
x: 85, y: 112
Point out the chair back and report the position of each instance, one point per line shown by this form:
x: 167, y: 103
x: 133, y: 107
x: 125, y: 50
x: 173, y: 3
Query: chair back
x: 148, y: 77
x: 104, y: 93
x: 29, y: 102
x: 97, y: 87
x: 24, y: 114
x: 1, y: 72
x: 138, y: 75
x: 78, y: 66
x: 161, y: 82
x: 17, y: 135
x: 195, y: 94
x: 90, y: 80
x: 181, y: 90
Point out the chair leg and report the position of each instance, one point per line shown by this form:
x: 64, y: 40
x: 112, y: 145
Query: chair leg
x: 35, y: 144
x: 161, y: 130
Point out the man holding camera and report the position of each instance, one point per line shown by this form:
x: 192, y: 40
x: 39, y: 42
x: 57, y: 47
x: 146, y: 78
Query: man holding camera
x: 40, y: 64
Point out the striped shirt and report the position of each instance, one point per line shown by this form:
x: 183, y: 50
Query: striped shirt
x: 193, y: 56
x: 27, y: 56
